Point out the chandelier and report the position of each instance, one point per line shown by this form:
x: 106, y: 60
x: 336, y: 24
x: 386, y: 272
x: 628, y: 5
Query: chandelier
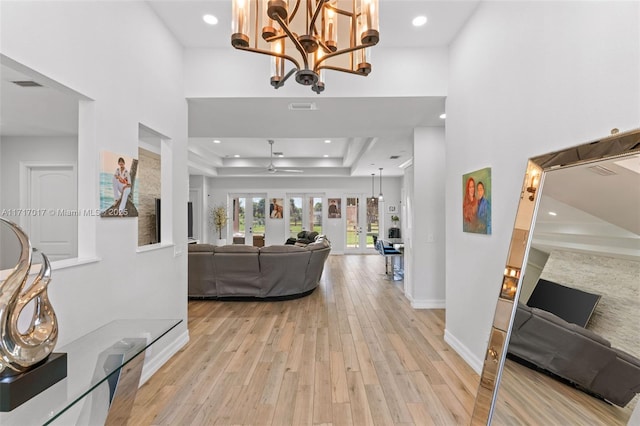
x: 312, y: 35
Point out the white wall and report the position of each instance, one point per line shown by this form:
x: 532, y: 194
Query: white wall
x: 525, y: 78
x: 121, y: 56
x: 395, y: 72
x: 217, y: 189
x: 425, y: 244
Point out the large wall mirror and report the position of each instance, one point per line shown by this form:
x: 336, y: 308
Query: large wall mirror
x: 38, y: 162
x: 565, y: 343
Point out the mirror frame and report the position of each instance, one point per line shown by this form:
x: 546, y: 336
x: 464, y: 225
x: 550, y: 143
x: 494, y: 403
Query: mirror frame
x: 616, y: 145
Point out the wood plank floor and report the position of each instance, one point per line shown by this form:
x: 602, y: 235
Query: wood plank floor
x: 529, y: 397
x: 352, y: 353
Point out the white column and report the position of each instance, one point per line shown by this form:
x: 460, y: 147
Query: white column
x: 425, y: 236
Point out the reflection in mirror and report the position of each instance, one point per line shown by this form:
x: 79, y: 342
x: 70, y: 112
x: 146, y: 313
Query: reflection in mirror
x: 573, y: 350
x: 575, y: 336
x: 38, y: 162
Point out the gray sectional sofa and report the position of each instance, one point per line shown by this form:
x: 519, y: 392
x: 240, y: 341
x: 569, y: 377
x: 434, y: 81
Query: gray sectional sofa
x: 239, y: 271
x: 574, y: 353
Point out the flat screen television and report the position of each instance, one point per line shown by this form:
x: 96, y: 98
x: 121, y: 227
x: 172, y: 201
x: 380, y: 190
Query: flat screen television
x: 189, y: 220
x: 570, y: 304
x: 158, y: 209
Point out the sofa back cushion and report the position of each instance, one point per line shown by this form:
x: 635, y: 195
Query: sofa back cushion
x: 237, y: 270
x: 191, y: 248
x: 201, y: 272
x: 283, y: 269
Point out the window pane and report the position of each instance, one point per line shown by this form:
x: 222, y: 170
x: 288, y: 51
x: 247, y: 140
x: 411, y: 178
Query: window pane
x: 372, y: 220
x: 316, y: 203
x: 295, y: 216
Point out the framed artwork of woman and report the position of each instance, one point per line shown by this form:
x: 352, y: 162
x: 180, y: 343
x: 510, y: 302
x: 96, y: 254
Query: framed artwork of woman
x: 476, y: 201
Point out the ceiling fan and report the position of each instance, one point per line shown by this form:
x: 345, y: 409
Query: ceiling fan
x: 271, y: 169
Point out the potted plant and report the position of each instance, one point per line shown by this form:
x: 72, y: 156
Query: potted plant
x: 219, y: 219
x: 395, y: 219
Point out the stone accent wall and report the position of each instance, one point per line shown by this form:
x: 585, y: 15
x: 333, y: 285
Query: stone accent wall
x: 617, y: 316
x: 148, y: 181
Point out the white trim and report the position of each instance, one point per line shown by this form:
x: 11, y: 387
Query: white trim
x: 154, y: 364
x: 55, y: 266
x: 426, y: 303
x: 153, y: 247
x: 464, y: 352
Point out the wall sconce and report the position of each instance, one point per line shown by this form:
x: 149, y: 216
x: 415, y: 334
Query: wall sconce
x: 533, y: 187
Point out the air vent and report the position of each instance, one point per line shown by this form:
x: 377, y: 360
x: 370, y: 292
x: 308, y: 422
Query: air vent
x: 278, y: 153
x: 303, y: 106
x: 394, y: 157
x: 602, y: 171
x: 27, y: 83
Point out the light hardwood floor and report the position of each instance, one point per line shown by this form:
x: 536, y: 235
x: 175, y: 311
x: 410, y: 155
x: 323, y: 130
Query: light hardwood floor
x: 529, y: 397
x: 352, y: 353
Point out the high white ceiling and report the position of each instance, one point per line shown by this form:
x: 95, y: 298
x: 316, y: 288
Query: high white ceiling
x: 583, y: 210
x: 365, y: 133
x: 599, y: 211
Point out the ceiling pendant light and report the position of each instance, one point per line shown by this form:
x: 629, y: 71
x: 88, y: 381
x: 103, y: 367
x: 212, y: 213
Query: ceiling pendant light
x: 373, y: 175
x: 305, y: 34
x: 380, y: 197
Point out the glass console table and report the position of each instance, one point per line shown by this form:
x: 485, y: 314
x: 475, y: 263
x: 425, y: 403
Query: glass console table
x: 103, y: 375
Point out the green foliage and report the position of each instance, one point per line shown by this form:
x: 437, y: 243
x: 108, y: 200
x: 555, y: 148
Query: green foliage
x: 219, y: 218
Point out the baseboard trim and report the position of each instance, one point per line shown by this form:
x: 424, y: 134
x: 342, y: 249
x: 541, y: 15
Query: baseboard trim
x: 426, y: 303
x: 155, y: 363
x: 464, y: 352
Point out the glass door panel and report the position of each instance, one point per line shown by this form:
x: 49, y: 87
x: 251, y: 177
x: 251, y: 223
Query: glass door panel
x: 354, y: 229
x: 295, y: 215
x: 248, y: 219
x: 315, y: 214
x: 258, y: 222
x: 373, y: 224
x: 305, y: 213
x: 362, y: 223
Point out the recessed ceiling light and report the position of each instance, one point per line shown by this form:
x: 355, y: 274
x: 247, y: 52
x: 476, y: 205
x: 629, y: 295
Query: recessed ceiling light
x: 419, y: 21
x: 280, y: 155
x: 553, y: 214
x: 443, y: 116
x: 216, y: 141
x: 326, y: 155
x: 327, y: 141
x: 210, y: 19
x: 237, y: 155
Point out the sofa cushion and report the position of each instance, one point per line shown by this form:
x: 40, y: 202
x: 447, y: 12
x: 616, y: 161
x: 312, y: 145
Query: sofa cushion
x: 191, y: 248
x: 237, y: 270
x: 236, y: 248
x: 312, y: 235
x: 281, y: 249
x: 318, y: 244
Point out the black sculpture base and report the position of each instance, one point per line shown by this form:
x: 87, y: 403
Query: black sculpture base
x: 15, y: 390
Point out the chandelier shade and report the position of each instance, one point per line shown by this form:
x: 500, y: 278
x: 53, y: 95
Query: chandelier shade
x: 309, y: 35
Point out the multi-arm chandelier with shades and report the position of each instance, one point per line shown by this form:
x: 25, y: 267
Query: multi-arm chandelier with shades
x: 312, y: 35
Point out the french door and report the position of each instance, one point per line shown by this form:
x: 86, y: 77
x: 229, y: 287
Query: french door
x: 248, y: 212
x: 361, y: 223
x: 304, y: 213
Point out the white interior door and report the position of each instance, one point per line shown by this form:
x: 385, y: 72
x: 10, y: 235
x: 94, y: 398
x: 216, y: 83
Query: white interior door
x: 52, y: 193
